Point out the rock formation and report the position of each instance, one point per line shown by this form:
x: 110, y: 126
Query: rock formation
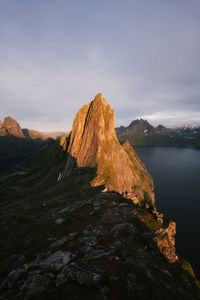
x: 10, y: 126
x: 93, y: 143
x: 165, y: 239
x: 63, y: 142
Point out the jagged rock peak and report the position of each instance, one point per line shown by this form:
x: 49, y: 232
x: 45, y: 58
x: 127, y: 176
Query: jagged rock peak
x: 93, y: 143
x: 11, y: 126
x: 8, y: 121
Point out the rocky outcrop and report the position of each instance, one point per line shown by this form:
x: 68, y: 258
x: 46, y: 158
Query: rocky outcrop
x: 111, y: 255
x: 165, y: 239
x: 10, y: 126
x: 93, y: 143
x: 63, y: 142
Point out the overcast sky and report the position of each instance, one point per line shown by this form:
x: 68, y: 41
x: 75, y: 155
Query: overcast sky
x: 143, y: 55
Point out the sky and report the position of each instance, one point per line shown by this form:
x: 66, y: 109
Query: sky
x: 142, y: 55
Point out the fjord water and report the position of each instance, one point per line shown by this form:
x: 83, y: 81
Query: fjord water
x: 176, y: 175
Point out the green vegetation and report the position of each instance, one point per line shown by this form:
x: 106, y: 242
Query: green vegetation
x: 159, y: 140
x: 106, y: 174
x: 149, y: 220
x: 186, y: 266
x: 147, y: 198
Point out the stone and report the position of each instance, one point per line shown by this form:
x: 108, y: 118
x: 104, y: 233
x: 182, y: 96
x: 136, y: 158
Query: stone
x: 15, y: 276
x: 35, y: 284
x: 63, y: 142
x: 59, y: 243
x: 56, y: 261
x: 63, y: 240
x: 125, y: 226
x: 83, y: 275
x: 94, y: 230
x: 165, y: 240
x: 59, y: 221
x: 88, y: 241
x: 61, y: 279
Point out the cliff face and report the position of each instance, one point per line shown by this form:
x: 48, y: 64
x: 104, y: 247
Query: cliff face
x: 93, y: 143
x: 165, y: 239
x: 10, y: 126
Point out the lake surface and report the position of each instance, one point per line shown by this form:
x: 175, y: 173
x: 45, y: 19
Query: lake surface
x: 176, y: 175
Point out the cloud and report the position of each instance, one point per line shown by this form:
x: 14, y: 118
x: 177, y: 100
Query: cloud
x: 143, y: 56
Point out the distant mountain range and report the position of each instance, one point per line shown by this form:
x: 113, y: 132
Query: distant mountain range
x: 11, y: 127
x: 141, y: 132
x: 188, y: 131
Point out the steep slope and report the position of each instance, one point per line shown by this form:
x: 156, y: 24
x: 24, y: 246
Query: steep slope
x: 34, y: 134
x: 16, y: 144
x: 93, y: 143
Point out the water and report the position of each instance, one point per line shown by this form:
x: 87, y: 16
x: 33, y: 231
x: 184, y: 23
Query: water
x: 176, y: 175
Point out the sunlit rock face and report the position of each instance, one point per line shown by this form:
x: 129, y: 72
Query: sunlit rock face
x: 165, y: 239
x: 10, y: 126
x: 63, y: 142
x: 93, y: 143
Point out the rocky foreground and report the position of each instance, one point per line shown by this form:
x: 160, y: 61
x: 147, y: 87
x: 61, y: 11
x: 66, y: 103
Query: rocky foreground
x: 118, y: 250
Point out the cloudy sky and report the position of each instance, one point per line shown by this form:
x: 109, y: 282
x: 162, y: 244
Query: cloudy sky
x: 143, y: 55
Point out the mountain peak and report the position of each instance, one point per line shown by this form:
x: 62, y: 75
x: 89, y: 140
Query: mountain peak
x: 8, y: 121
x: 10, y: 126
x: 93, y: 143
x: 98, y: 97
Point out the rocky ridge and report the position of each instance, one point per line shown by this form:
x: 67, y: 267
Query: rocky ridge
x: 111, y: 255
